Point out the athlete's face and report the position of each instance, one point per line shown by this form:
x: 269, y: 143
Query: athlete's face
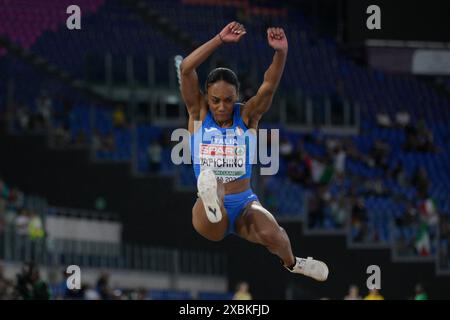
x: 221, y: 98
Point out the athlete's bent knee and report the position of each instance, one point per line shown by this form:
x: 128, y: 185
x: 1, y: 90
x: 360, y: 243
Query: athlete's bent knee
x: 208, y: 234
x: 205, y: 231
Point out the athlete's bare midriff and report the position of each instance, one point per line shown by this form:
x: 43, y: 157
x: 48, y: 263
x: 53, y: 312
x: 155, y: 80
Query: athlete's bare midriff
x: 237, y: 186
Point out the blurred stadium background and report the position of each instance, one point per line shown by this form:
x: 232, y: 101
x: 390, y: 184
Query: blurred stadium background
x: 85, y: 171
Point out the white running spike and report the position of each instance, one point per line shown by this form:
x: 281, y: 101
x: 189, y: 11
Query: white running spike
x: 207, y: 191
x: 309, y: 267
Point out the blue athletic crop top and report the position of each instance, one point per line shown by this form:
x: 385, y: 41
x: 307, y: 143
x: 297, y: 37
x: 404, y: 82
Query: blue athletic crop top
x: 227, y: 151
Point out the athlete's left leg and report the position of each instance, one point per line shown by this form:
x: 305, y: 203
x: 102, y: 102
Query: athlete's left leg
x: 258, y: 225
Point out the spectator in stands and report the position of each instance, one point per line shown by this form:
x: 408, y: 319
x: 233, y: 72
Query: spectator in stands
x: 376, y: 187
x: 353, y: 153
x: 62, y: 124
x: 97, y: 143
x: 103, y: 287
x: 63, y: 120
x: 154, y: 152
x: 61, y: 291
x: 23, y: 117
x: 296, y: 172
x: 340, y: 210
x: 403, y: 118
x: 103, y: 143
x: 286, y: 148
x: 142, y: 294
x: 317, y: 136
x: 61, y: 136
x: 119, y: 118
x: 321, y: 170
x: 353, y: 293
x: 425, y: 137
x: 109, y: 143
x: 44, y: 106
x: 22, y: 221
x: 420, y: 182
x: 380, y: 152
x: 6, y: 285
x: 81, y: 139
x: 410, y: 138
x: 444, y: 241
x: 409, y: 217
x: 331, y: 144
x: 398, y: 174
x: 3, y: 222
x: 299, y: 168
x: 420, y: 293
x: 383, y: 120
x: 2, y: 188
x: 317, y: 206
x: 339, y: 156
x: 16, y: 198
x: 3, y: 217
x: 35, y: 226
x: 359, y: 220
x: 58, y: 288
x: 444, y: 227
x: 242, y: 292
x: 419, y: 138
x: 30, y: 286
x: 36, y: 234
x: 118, y: 294
x: 21, y: 226
x: 374, y: 294
x: 428, y: 212
x: 90, y: 293
x: 139, y: 294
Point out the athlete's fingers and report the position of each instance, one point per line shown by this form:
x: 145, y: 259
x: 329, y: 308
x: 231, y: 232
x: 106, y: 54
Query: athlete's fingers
x: 241, y: 29
x: 241, y: 35
x: 231, y: 25
x: 238, y: 28
x: 277, y: 33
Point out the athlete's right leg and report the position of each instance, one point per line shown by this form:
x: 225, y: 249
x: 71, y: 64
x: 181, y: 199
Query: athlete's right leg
x: 209, y: 217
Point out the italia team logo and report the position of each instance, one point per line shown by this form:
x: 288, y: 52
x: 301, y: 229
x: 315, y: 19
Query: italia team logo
x: 240, y: 151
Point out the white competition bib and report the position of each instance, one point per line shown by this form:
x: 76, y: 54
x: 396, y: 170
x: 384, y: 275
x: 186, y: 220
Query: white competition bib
x: 227, y: 162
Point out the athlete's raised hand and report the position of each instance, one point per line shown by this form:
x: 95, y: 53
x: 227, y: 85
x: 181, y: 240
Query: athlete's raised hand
x: 277, y: 39
x: 233, y: 32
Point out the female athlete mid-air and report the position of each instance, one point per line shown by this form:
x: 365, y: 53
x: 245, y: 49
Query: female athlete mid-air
x: 226, y: 203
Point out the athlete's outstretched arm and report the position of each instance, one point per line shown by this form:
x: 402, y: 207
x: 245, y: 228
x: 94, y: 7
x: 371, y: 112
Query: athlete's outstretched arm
x: 260, y: 103
x: 190, y: 89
